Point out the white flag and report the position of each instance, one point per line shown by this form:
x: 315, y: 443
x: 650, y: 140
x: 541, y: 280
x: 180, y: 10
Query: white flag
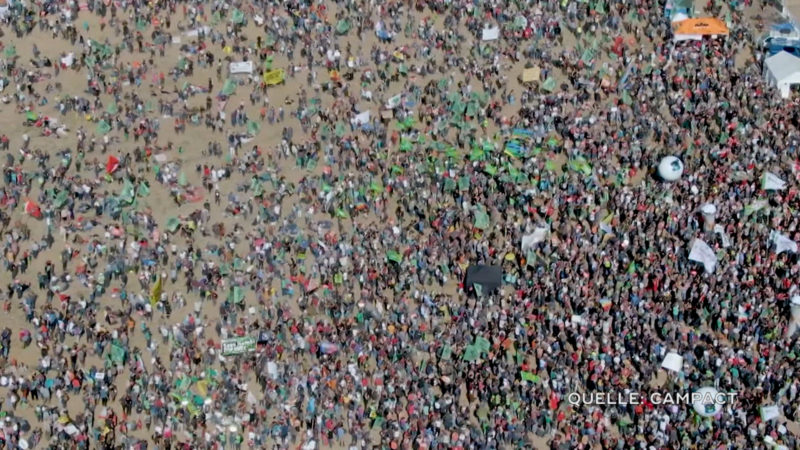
x: 782, y: 242
x: 772, y: 182
x: 726, y: 242
x: 530, y: 240
x: 394, y: 102
x: 702, y: 253
x: 360, y: 119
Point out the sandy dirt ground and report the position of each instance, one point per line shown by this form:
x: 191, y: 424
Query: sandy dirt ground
x: 192, y: 142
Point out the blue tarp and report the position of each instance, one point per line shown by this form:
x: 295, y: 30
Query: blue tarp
x: 783, y: 27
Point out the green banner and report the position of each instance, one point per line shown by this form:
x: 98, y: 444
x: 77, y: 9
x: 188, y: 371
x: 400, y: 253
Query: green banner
x: 238, y: 346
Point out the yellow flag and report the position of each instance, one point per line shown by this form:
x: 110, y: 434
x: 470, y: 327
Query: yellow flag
x: 155, y: 293
x: 272, y: 77
x: 202, y: 388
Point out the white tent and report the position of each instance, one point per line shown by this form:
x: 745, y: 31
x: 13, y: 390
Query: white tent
x: 782, y: 70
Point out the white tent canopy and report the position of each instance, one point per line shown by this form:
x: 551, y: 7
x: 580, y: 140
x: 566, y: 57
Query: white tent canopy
x: 782, y: 70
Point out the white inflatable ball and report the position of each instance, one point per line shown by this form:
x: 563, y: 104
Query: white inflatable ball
x: 670, y: 168
x: 707, y: 401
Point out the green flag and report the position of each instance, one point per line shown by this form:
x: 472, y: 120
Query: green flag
x: 549, y: 84
x: 395, y: 256
x: 61, y: 199
x: 103, y: 127
x: 580, y: 164
x: 447, y: 352
x: 342, y: 27
x: 626, y: 98
x: 236, y: 295
x: 237, y: 17
x: 477, y: 154
x: 229, y: 88
x: 172, y: 224
x: 483, y: 344
x: 128, y: 193
x: 587, y: 56
x: 118, y: 353
x: 253, y: 128
x: 471, y: 353
x: 528, y: 376
x: 757, y: 205
x: 144, y: 190
x: 257, y: 188
x: 482, y: 220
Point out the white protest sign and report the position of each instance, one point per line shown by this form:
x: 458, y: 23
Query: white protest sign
x: 673, y: 362
x: 770, y: 412
x: 241, y: 67
x: 490, y: 34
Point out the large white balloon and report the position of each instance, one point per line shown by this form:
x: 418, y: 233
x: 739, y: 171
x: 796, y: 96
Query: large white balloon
x: 670, y: 168
x: 708, y: 403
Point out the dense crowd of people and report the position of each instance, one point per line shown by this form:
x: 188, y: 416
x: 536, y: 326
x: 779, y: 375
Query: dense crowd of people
x: 334, y: 213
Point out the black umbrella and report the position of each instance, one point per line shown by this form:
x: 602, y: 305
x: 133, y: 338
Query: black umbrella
x: 488, y: 278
